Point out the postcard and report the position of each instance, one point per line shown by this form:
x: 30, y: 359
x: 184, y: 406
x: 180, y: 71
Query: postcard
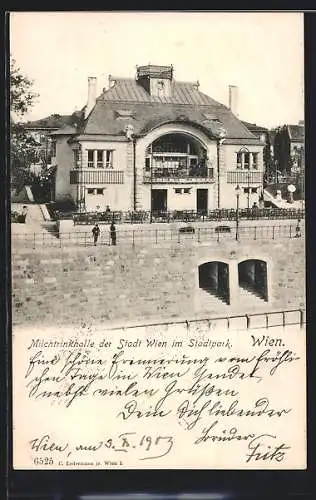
x: 158, y: 240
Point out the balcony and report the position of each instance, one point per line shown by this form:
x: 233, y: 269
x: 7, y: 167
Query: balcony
x: 179, y: 176
x: 96, y: 177
x: 244, y: 177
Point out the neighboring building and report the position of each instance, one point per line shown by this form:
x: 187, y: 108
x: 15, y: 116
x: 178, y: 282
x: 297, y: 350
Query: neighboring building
x: 289, y: 150
x: 41, y: 131
x: 152, y: 143
x: 264, y: 135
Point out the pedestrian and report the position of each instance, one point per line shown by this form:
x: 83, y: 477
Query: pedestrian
x: 96, y: 234
x: 254, y: 210
x: 24, y: 213
x: 113, y: 233
x: 298, y: 229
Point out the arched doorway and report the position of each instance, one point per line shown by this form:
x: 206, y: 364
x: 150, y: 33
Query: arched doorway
x: 252, y: 277
x: 214, y: 279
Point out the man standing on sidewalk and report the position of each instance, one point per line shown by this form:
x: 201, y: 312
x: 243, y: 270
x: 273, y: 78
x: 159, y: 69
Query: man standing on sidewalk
x: 96, y: 234
x: 113, y: 233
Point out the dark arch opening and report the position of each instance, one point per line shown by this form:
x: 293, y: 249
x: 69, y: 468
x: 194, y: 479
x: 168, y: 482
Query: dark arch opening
x: 214, y: 279
x: 176, y: 155
x: 252, y: 277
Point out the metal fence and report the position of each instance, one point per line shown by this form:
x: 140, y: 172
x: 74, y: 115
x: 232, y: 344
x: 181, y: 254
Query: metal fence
x: 269, y: 319
x: 181, y: 215
x: 159, y: 236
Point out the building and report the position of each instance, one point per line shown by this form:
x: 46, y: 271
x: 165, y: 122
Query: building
x: 152, y: 143
x: 264, y: 135
x: 289, y: 150
x: 40, y: 131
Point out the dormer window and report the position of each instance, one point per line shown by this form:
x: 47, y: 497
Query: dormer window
x: 211, y: 117
x: 124, y: 113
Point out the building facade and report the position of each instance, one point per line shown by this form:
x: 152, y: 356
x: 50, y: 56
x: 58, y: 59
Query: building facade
x: 152, y: 143
x: 264, y: 135
x: 289, y: 151
x: 40, y: 131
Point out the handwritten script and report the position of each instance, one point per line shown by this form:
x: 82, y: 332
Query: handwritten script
x: 142, y: 400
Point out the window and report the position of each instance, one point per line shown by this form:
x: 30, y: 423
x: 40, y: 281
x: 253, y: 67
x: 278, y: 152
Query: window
x: 147, y: 164
x: 187, y: 190
x: 246, y: 161
x: 239, y: 160
x: 76, y: 158
x: 53, y: 148
x: 100, y: 191
x: 247, y: 190
x: 212, y: 117
x: 108, y: 158
x: 99, y: 158
x: 90, y: 191
x: 90, y: 158
x: 124, y: 113
x: 255, y: 161
x: 178, y: 190
x: 254, y: 190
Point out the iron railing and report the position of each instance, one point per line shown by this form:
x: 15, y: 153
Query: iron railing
x: 143, y: 216
x: 96, y: 177
x: 158, y: 236
x: 191, y: 175
x: 269, y: 319
x: 244, y: 177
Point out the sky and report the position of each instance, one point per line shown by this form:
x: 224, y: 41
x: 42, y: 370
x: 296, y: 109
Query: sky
x: 261, y: 53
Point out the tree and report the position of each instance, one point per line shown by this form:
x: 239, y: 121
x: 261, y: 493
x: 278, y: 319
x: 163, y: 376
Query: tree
x: 23, y: 147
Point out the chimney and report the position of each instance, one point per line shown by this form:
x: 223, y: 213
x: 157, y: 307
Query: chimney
x: 233, y: 99
x: 92, y: 95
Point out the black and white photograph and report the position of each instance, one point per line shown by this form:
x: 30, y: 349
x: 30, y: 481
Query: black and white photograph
x: 158, y: 240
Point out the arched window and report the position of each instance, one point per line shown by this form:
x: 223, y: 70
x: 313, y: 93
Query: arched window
x: 252, y: 278
x: 177, y: 155
x: 246, y: 160
x: 214, y: 279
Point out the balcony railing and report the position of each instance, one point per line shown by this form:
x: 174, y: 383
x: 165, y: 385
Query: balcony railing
x: 96, y: 177
x: 244, y: 177
x: 176, y: 175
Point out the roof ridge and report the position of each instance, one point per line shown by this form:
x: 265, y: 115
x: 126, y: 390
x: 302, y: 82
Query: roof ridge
x: 215, y: 105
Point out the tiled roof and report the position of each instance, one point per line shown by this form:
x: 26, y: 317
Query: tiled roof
x: 128, y: 103
x: 54, y: 121
x: 253, y: 127
x: 148, y: 115
x: 65, y: 130
x: 128, y: 90
x: 296, y: 132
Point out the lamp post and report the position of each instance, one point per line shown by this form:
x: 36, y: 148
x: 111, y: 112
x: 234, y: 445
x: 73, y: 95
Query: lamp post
x: 222, y: 134
x: 238, y: 191
x: 151, y: 183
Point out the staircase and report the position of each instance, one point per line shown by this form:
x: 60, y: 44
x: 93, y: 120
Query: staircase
x: 267, y: 196
x: 250, y: 299
x: 210, y: 302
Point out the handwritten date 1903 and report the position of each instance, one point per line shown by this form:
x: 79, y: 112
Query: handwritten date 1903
x: 150, y: 447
